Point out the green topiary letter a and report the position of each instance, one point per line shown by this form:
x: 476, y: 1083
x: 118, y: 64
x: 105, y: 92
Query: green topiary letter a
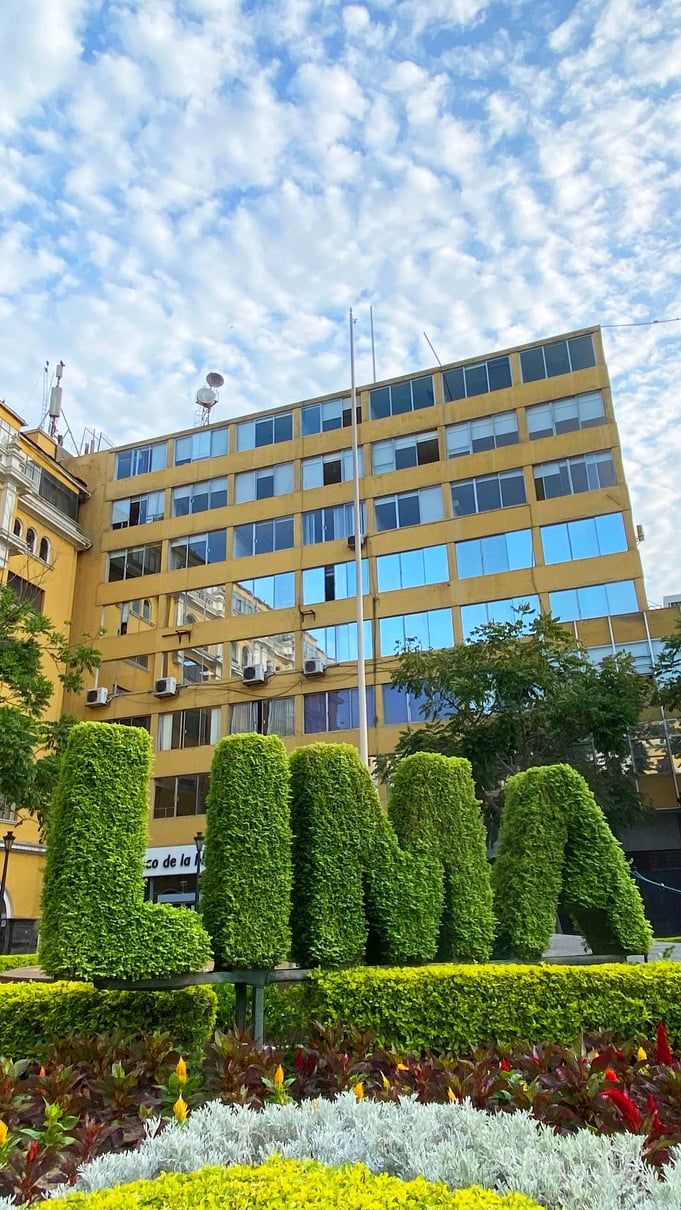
x: 94, y: 918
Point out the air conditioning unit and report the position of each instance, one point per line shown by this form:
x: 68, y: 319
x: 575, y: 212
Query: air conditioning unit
x: 166, y: 686
x: 314, y: 667
x: 351, y: 540
x: 254, y: 674
x: 97, y: 697
x: 640, y: 534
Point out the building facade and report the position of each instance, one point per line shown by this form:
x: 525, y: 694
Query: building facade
x: 40, y: 540
x: 220, y: 566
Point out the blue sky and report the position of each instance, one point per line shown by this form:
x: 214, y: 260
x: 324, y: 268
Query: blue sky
x: 207, y: 184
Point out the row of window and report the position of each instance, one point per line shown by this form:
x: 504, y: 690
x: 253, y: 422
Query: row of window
x: 41, y: 548
x: 397, y: 453
x: 563, y: 542
x: 428, y: 629
x: 546, y: 361
x: 484, y: 493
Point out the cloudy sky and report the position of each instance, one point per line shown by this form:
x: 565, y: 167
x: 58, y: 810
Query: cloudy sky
x: 191, y: 185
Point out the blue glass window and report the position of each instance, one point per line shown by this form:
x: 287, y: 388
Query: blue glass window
x: 594, y: 601
x: 408, y: 508
x: 566, y: 415
x: 477, y: 379
x: 205, y: 443
x: 584, y: 539
x: 501, y: 552
x: 266, y: 430
x: 334, y: 582
x: 401, y: 707
x: 485, y: 433
x: 401, y: 397
x: 263, y: 537
x: 336, y: 644
x: 264, y: 592
x: 558, y: 357
x: 412, y: 568
x: 335, y: 710
x: 430, y: 629
x: 141, y: 460
x: 329, y: 524
x: 495, y: 611
x: 325, y: 417
x: 487, y: 492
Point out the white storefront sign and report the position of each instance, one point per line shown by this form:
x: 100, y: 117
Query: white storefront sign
x: 170, y: 860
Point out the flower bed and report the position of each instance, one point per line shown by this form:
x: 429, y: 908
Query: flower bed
x: 93, y: 1099
x: 287, y: 1182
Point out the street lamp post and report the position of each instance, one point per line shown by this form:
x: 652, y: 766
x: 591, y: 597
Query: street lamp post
x: 7, y: 840
x: 199, y: 842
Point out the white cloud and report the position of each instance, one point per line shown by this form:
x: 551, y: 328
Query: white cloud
x: 207, y: 184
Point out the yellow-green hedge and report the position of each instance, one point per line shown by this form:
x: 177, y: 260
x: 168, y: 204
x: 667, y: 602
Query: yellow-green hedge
x: 34, y: 1014
x: 290, y: 1183
x: 453, y: 1007
x: 10, y: 962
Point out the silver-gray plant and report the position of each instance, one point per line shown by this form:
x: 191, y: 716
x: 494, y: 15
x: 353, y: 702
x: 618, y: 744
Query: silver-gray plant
x: 455, y: 1143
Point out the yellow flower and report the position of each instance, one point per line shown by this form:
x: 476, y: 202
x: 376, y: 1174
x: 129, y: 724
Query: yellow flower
x: 641, y: 1055
x: 386, y: 1081
x: 3, y: 1132
x: 402, y: 1067
x: 180, y: 1109
x: 181, y: 1070
x: 359, y: 1090
x: 279, y: 1076
x: 450, y: 1095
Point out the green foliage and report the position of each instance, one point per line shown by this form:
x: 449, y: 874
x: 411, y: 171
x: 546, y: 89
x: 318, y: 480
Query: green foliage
x: 329, y: 833
x: 33, y: 1015
x: 454, y: 1008
x: 554, y: 835
x: 246, y: 883
x: 433, y: 802
x: 525, y: 693
x: 300, y: 1183
x: 27, y: 640
x: 94, y: 919
x: 352, y: 883
x: 668, y: 671
x: 10, y: 962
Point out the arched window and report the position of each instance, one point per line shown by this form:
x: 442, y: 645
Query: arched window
x: 245, y: 655
x: 18, y: 528
x: 44, y: 550
x: 30, y: 539
x: 146, y: 611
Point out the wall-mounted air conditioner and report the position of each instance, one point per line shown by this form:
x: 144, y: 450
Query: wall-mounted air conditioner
x: 314, y: 667
x: 97, y: 697
x: 254, y: 674
x: 351, y: 540
x: 166, y: 686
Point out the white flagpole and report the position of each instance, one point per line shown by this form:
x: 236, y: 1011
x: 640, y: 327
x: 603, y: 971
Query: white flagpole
x: 361, y: 673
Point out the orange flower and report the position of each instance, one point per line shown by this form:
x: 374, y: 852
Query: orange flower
x: 279, y: 1076
x: 359, y: 1090
x: 450, y: 1095
x: 180, y: 1109
x: 181, y: 1070
x: 42, y: 1073
x: 3, y: 1132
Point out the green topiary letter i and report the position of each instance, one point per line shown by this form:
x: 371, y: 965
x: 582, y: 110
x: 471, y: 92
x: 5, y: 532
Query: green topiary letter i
x: 94, y: 918
x: 555, y: 846
x: 246, y: 882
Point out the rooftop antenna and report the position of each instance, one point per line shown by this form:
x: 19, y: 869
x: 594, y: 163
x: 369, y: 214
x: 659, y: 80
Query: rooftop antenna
x: 55, y: 401
x: 432, y: 349
x: 206, y: 398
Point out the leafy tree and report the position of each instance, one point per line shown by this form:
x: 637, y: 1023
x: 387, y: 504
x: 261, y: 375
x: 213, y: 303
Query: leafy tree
x: 668, y: 672
x: 521, y: 694
x: 30, y: 747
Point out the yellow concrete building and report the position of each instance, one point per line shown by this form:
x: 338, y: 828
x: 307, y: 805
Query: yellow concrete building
x: 40, y: 540
x: 220, y: 565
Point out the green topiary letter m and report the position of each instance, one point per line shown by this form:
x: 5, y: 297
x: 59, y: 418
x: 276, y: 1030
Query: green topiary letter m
x: 94, y: 918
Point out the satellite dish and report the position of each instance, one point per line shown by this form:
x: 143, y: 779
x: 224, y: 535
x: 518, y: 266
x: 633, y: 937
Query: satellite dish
x: 205, y: 396
x: 215, y: 380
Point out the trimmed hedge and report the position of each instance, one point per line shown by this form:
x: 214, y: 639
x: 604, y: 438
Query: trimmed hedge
x: 300, y: 1183
x: 457, y: 1007
x: 555, y: 845
x: 10, y: 962
x: 433, y: 803
x: 246, y: 882
x: 353, y: 885
x: 33, y: 1015
x: 94, y: 921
